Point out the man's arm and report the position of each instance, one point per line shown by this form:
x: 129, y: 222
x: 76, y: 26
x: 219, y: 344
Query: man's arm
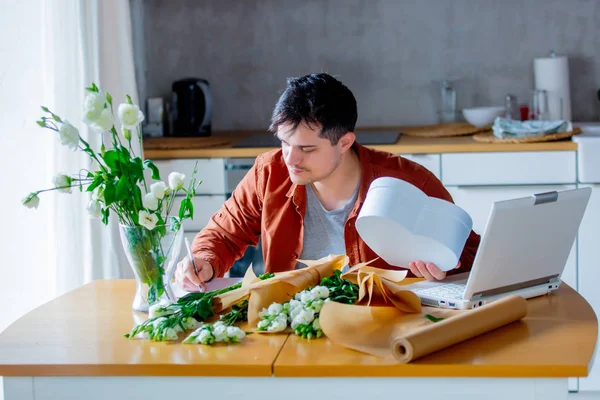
x: 235, y: 226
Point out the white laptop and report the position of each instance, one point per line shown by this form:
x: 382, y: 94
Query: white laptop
x: 523, y: 251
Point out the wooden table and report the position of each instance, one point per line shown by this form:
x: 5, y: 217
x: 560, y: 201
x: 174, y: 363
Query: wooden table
x: 73, y: 347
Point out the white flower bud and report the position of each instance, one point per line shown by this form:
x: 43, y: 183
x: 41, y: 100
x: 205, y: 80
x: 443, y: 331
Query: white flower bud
x: 176, y: 180
x: 316, y: 305
x: 263, y: 323
x: 171, y: 334
x: 31, y: 200
x: 68, y: 135
x: 316, y: 324
x: 126, y: 133
x: 219, y: 332
x: 150, y: 202
x: 158, y: 189
x: 93, y: 105
x: 63, y: 182
x: 94, y: 209
x: 205, y: 337
x: 191, y: 323
x: 130, y: 115
x: 159, y: 310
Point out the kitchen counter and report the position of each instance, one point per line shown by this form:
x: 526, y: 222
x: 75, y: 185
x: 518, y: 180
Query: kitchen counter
x: 74, y: 344
x: 162, y: 148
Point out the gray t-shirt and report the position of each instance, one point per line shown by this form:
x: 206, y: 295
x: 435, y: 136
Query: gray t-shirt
x: 324, y: 230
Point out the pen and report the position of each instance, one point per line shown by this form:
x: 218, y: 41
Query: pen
x: 191, y: 257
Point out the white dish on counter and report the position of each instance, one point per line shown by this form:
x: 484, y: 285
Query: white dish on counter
x: 482, y: 116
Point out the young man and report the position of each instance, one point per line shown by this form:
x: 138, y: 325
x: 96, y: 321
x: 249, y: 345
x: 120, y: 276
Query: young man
x: 304, y: 198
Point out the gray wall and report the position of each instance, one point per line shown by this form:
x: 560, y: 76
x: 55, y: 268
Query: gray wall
x: 392, y: 54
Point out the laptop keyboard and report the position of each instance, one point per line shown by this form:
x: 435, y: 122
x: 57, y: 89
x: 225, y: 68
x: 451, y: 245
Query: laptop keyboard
x: 448, y: 290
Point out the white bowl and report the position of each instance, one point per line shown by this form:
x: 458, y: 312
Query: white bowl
x: 482, y: 116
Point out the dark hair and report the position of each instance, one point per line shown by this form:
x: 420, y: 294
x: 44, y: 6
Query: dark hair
x: 317, y: 99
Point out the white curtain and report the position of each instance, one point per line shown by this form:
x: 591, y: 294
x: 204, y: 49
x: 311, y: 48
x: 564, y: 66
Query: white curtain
x: 86, y: 41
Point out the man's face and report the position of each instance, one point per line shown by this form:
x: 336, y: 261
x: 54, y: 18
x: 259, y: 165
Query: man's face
x: 309, y: 158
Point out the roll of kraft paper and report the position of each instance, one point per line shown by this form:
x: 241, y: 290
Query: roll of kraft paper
x: 459, y: 328
x: 388, y: 333
x: 552, y: 75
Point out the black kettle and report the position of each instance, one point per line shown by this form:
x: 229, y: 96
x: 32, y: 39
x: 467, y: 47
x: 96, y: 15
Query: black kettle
x: 191, y: 107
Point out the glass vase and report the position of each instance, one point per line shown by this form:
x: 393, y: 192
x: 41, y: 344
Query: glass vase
x: 152, y: 255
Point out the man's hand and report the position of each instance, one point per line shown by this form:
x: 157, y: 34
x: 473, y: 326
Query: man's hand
x: 187, y: 278
x: 429, y: 271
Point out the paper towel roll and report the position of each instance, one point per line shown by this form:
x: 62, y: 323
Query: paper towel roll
x: 552, y: 74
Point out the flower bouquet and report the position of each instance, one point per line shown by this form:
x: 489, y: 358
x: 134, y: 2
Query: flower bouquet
x: 150, y: 234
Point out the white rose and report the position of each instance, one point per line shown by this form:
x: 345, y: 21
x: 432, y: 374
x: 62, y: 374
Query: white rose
x: 142, y: 335
x: 147, y: 220
x: 235, y: 333
x: 94, y: 104
x: 31, y: 201
x: 321, y: 291
x: 62, y: 181
x: 130, y: 116
x: 295, y: 312
x: 103, y: 123
x: 306, y: 316
x: 150, y: 202
x: 159, y: 310
x: 305, y: 297
x: 158, y: 189
x: 294, y: 304
x: 94, y: 209
x: 68, y: 135
x: 278, y: 325
x: 275, y: 309
x: 220, y: 332
x: 176, y: 180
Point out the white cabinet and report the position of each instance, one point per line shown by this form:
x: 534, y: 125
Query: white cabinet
x: 516, y: 168
x: 211, y: 171
x: 204, y: 207
x: 429, y: 161
x: 477, y: 202
x: 589, y: 272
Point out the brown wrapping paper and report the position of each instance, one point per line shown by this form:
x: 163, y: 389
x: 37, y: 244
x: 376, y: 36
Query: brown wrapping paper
x: 279, y: 289
x: 388, y: 332
x: 381, y: 287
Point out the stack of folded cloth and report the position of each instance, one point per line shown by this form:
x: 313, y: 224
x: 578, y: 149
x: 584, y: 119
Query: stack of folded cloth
x: 508, y: 128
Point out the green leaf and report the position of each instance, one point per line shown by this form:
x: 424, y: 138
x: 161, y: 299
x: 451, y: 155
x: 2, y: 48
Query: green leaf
x: 111, y: 159
x: 154, y: 168
x: 128, y: 99
x: 105, y: 213
x: 109, y: 98
x: 122, y: 190
x: 109, y: 193
x: 95, y: 183
x: 432, y: 318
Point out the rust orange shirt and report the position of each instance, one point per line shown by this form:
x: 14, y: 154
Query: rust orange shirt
x: 266, y: 204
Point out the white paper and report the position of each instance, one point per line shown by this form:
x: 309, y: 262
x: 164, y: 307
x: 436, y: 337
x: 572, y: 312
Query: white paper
x: 401, y: 224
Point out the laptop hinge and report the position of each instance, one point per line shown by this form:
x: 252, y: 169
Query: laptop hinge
x: 516, y: 286
x: 547, y: 197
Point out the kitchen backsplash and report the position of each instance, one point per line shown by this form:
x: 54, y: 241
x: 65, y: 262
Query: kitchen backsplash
x: 393, y: 54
